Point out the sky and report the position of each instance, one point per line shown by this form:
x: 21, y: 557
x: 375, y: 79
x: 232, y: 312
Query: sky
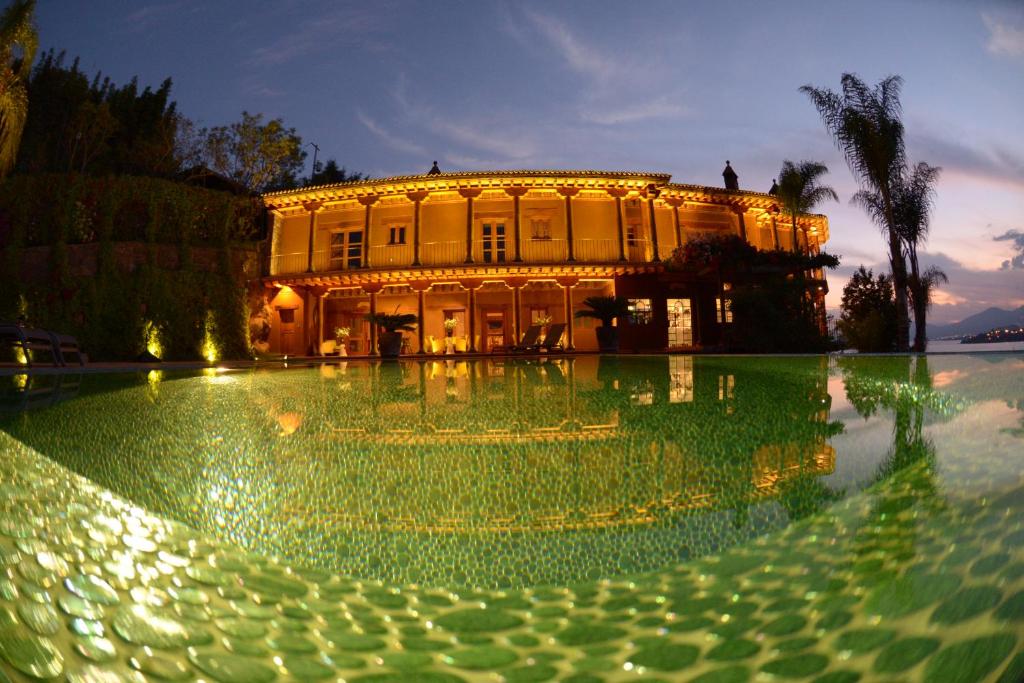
x: 385, y: 87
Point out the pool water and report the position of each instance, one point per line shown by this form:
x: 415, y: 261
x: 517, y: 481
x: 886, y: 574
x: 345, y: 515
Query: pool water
x: 584, y: 519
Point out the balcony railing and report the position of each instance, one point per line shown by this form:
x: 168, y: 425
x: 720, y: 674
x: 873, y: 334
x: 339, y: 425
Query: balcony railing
x: 545, y: 250
x: 443, y: 253
x: 453, y: 253
x: 390, y: 255
x: 597, y: 251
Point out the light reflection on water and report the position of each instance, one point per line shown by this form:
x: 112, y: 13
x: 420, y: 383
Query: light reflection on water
x: 515, y: 472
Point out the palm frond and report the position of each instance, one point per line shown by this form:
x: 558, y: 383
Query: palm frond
x: 18, y: 30
x: 13, y: 113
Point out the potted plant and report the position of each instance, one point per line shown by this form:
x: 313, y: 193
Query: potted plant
x: 341, y: 335
x: 449, y: 332
x: 389, y: 342
x: 606, y: 309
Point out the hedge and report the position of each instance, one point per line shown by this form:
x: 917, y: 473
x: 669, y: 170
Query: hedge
x: 114, y: 312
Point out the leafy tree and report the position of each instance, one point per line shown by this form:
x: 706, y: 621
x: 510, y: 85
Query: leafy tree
x: 18, y: 44
x: 866, y: 125
x: 260, y: 156
x: 772, y: 296
x: 330, y: 173
x: 97, y: 127
x: 868, y: 319
x: 799, y: 191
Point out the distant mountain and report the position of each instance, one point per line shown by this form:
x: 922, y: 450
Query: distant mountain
x: 978, y: 323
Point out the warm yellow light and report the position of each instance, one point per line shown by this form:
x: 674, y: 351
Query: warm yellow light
x: 20, y: 381
x: 152, y: 336
x: 19, y: 356
x: 209, y: 348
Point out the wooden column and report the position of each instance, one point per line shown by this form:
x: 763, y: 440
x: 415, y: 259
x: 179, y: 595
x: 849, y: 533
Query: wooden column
x: 312, y: 207
x: 675, y: 203
x: 775, y: 227
x: 320, y: 330
x: 619, y: 194
x: 469, y: 195
x: 740, y: 219
x: 472, y: 286
x: 516, y: 283
x: 372, y: 290
x: 421, y: 287
x: 517, y: 305
x: 652, y: 194
x: 567, y: 283
x: 569, y: 193
x: 368, y: 202
x: 416, y: 198
x: 516, y: 193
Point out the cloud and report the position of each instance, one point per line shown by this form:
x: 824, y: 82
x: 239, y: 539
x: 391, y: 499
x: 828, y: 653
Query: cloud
x: 1016, y: 238
x: 344, y: 25
x: 146, y: 16
x: 577, y: 55
x: 969, y: 291
x: 392, y: 141
x: 998, y: 164
x: 1006, y: 36
x: 660, y: 108
x: 508, y: 145
x: 613, y: 86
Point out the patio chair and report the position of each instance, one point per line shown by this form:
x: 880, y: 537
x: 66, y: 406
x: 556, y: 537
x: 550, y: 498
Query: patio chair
x: 529, y: 341
x: 67, y: 349
x: 553, y: 339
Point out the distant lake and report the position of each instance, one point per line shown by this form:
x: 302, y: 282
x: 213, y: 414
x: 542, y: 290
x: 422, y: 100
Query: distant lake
x: 954, y: 346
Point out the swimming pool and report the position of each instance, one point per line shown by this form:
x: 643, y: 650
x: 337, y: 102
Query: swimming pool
x: 585, y: 519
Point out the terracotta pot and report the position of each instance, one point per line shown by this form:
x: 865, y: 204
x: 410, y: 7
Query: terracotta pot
x: 607, y: 339
x: 389, y: 345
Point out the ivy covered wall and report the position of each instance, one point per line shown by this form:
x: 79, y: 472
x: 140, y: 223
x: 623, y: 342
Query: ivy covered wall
x: 129, y: 263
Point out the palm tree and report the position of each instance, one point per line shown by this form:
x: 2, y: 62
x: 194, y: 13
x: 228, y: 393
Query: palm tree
x: 799, y: 192
x: 914, y: 200
x: 18, y: 44
x: 867, y: 128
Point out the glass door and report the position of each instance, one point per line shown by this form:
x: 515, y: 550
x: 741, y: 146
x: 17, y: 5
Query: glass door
x: 494, y: 328
x: 346, y: 249
x: 680, y: 323
x: 494, y: 242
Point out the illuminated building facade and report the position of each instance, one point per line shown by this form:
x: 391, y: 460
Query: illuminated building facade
x: 499, y: 251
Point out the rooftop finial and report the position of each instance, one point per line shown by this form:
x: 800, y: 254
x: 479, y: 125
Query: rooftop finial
x: 732, y: 181
x: 434, y: 170
x: 775, y: 188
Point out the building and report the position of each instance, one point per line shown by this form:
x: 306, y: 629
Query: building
x: 498, y: 251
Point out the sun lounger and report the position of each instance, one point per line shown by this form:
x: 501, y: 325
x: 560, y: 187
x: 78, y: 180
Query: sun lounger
x: 553, y: 339
x: 529, y: 342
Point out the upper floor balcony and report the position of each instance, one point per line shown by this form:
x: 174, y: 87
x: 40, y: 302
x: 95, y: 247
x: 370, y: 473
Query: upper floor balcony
x: 460, y: 253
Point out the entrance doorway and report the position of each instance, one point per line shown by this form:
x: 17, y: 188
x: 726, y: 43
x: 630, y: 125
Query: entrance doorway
x: 287, y: 331
x: 494, y: 327
x: 680, y: 323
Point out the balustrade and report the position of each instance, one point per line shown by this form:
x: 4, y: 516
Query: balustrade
x: 447, y: 253
x: 453, y: 253
x: 545, y: 250
x: 596, y: 250
x: 389, y: 255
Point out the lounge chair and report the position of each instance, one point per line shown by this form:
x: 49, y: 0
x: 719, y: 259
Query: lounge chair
x: 67, y: 349
x: 553, y: 339
x: 28, y: 347
x: 528, y: 343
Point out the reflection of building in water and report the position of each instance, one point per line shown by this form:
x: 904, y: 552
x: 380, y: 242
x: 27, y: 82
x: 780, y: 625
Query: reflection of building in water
x: 559, y: 444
